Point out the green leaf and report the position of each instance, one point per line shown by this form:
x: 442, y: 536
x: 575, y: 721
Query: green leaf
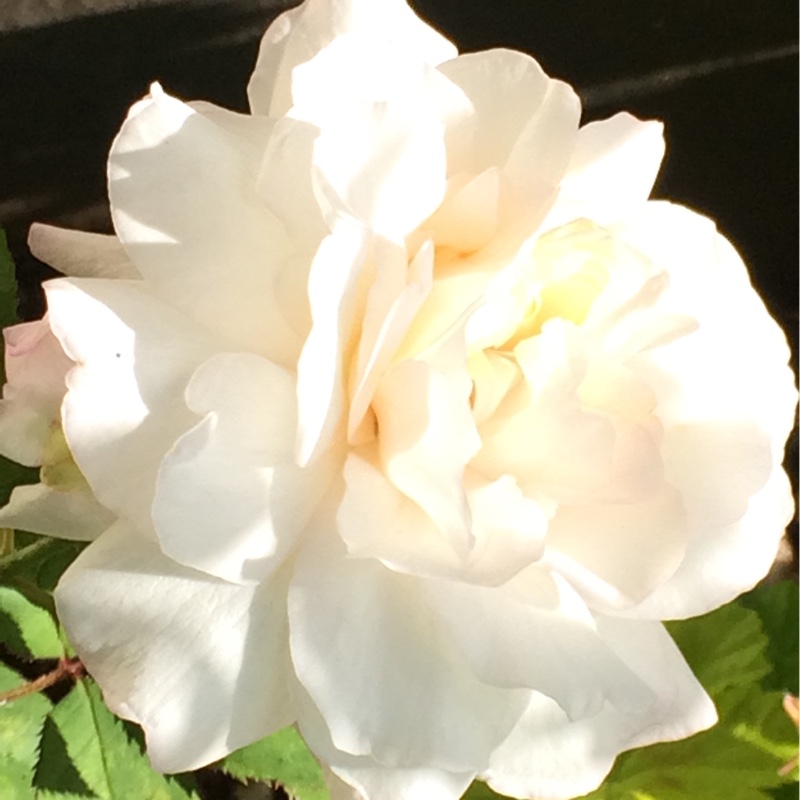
x: 480, y: 791
x: 283, y: 757
x: 26, y: 629
x: 87, y: 751
x: 38, y: 561
x: 725, y: 648
x: 778, y: 607
x: 21, y: 724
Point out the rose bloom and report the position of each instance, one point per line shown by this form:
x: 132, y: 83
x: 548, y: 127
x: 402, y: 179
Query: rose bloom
x: 400, y: 413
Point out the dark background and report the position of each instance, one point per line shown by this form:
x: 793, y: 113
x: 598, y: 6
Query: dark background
x: 722, y: 74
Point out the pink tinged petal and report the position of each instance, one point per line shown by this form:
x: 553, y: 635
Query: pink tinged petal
x: 134, y: 356
x: 612, y: 170
x: 185, y: 206
x: 549, y: 755
x: 335, y: 293
x: 383, y: 165
x: 81, y: 255
x: 393, y: 301
x: 36, y: 368
x: 382, y: 671
x: 298, y: 35
x: 201, y: 664
x: 65, y: 515
x: 547, y: 643
x: 617, y: 554
x: 427, y: 434
x: 230, y: 499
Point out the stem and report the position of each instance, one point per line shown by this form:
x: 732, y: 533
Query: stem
x: 18, y: 555
x: 6, y: 541
x: 67, y: 668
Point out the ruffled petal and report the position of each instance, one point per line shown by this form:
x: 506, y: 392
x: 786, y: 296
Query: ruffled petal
x: 427, y: 434
x: 383, y: 673
x: 352, y: 777
x: 186, y: 208
x: 381, y: 162
x: 509, y: 92
x: 230, y: 499
x: 124, y: 407
x: 199, y: 663
x: 296, y: 36
x: 335, y: 293
x: 393, y: 300
x: 617, y: 554
x: 547, y: 755
x: 724, y: 429
x: 526, y: 633
x: 81, y: 255
x: 65, y: 515
x: 611, y: 171
x: 376, y: 520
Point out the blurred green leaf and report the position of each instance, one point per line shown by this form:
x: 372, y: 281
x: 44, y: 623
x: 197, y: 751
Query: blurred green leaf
x: 778, y: 606
x: 283, y: 757
x: 725, y: 648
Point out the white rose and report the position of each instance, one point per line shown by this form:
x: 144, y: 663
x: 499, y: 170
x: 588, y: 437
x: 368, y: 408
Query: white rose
x: 416, y: 417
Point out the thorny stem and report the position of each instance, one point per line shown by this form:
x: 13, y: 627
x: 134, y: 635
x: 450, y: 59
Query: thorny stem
x: 66, y: 669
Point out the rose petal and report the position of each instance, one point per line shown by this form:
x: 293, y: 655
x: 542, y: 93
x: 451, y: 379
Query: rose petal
x: 427, y: 434
x: 65, y: 515
x: 381, y: 671
x: 296, y: 36
x: 335, y: 293
x: 394, y: 298
x: 617, y: 554
x: 125, y: 407
x: 185, y: 206
x: 378, y: 521
x: 383, y: 164
x: 511, y: 643
x: 512, y: 98
x: 230, y: 499
x: 81, y: 255
x: 201, y: 664
x: 36, y: 369
x: 547, y: 755
x: 611, y: 172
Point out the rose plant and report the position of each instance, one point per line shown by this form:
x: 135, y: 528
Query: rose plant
x: 396, y: 410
